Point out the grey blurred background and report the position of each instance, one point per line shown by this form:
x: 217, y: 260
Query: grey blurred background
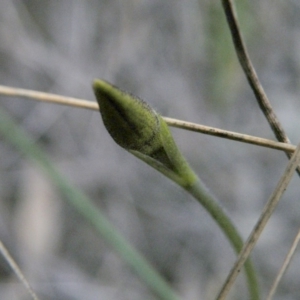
x: 178, y: 56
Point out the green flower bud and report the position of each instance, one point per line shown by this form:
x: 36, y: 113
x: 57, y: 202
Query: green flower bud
x: 131, y: 122
x: 135, y: 126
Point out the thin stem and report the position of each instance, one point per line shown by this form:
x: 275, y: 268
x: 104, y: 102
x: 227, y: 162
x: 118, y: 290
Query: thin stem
x: 261, y: 223
x: 18, y: 138
x: 230, y: 135
x: 251, y: 75
x: 121, y: 113
x: 47, y: 97
x: 5, y: 253
x: 250, y: 72
x: 80, y: 103
x: 284, y: 266
x: 200, y: 193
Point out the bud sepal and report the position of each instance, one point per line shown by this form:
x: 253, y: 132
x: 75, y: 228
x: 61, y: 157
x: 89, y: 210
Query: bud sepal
x: 139, y: 129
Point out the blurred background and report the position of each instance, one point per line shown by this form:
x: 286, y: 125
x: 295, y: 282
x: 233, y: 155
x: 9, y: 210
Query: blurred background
x: 178, y: 56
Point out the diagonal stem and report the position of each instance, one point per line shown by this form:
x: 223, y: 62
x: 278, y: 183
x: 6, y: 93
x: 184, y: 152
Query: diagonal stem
x: 261, y: 223
x: 251, y: 75
x: 284, y: 267
x: 5, y: 253
x: 18, y: 138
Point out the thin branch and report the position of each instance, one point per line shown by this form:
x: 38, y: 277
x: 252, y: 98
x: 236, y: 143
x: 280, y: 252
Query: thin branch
x: 284, y: 266
x: 250, y: 72
x: 251, y: 75
x: 80, y: 103
x: 17, y: 270
x: 47, y: 97
x: 231, y: 135
x: 261, y: 223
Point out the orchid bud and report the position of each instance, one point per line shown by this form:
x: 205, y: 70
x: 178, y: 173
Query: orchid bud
x: 138, y: 128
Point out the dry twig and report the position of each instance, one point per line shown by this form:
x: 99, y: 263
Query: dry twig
x: 80, y: 103
x: 17, y: 270
x: 284, y: 266
x: 261, y: 223
x: 251, y: 75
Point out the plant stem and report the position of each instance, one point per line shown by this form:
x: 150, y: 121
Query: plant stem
x: 204, y: 197
x: 136, y: 127
x: 19, y: 139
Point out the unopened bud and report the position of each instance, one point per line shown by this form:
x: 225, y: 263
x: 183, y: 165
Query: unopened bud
x: 135, y: 126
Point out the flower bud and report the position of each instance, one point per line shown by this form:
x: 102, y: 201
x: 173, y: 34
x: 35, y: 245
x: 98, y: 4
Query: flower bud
x: 130, y: 121
x: 135, y: 126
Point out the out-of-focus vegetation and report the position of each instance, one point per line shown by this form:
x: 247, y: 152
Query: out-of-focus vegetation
x: 178, y: 56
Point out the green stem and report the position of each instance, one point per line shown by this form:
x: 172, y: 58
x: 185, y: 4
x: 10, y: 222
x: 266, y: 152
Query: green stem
x: 19, y: 139
x: 200, y: 193
x: 136, y: 127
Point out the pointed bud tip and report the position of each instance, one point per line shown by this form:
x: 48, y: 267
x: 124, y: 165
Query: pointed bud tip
x: 101, y: 88
x: 135, y: 126
x: 129, y: 120
x: 101, y: 84
x: 98, y: 83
